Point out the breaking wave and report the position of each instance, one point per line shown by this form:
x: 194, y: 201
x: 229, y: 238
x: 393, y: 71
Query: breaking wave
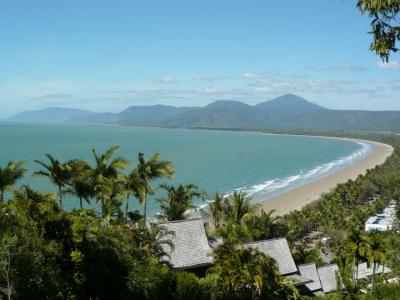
x: 270, y: 188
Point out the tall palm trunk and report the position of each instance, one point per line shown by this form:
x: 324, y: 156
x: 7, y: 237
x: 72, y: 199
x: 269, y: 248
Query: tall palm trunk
x: 126, y: 207
x: 145, y: 204
x: 357, y: 264
x: 80, y: 202
x: 103, y: 206
x: 60, y: 197
x: 373, y: 276
x: 1, y: 195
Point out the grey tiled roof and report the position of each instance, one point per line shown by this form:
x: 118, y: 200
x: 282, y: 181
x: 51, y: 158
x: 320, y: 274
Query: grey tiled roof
x: 327, y: 276
x: 279, y: 250
x: 297, y: 280
x: 191, y: 248
x: 364, y: 271
x: 310, y: 271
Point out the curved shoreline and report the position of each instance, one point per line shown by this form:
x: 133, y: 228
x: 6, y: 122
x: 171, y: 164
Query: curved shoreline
x: 300, y: 196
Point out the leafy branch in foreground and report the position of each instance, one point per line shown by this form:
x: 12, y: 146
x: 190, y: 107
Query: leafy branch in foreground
x: 385, y: 26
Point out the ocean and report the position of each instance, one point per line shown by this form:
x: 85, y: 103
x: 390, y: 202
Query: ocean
x: 259, y: 164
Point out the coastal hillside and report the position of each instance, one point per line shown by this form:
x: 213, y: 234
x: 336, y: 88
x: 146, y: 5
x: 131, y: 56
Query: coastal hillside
x: 135, y: 115
x: 287, y: 112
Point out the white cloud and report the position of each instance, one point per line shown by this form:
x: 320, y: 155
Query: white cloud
x: 344, y: 67
x: 392, y: 65
x: 208, y: 78
x: 165, y: 79
x: 255, y: 76
x: 250, y: 75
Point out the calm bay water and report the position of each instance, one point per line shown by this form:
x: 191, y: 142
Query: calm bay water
x: 261, y: 165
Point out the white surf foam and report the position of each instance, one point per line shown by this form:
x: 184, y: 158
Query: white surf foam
x: 271, y: 188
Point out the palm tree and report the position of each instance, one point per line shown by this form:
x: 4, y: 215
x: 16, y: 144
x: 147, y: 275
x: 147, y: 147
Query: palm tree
x: 357, y: 243
x: 104, y: 173
x: 114, y: 199
x: 178, y: 201
x: 376, y: 249
x: 9, y: 176
x: 80, y: 184
x: 153, y: 240
x: 215, y: 210
x: 265, y: 226
x: 237, y: 207
x: 302, y: 255
x: 238, y: 212
x: 59, y: 174
x: 246, y: 272
x: 133, y: 187
x: 151, y: 170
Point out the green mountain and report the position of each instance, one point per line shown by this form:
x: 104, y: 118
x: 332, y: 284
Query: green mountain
x: 288, y: 112
x: 135, y: 115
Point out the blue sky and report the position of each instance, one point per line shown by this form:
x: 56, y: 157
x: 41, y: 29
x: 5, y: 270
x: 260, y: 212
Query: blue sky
x: 107, y: 55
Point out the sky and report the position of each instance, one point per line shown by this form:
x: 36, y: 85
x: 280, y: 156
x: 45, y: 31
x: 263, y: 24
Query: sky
x: 108, y: 55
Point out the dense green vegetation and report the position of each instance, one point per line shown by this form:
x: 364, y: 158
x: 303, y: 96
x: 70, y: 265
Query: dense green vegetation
x: 341, y: 215
x: 385, y: 26
x: 48, y: 253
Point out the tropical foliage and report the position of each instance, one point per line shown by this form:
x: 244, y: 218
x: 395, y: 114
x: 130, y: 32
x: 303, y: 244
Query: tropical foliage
x: 385, y: 25
x: 10, y: 175
x: 176, y: 205
x: 49, y: 253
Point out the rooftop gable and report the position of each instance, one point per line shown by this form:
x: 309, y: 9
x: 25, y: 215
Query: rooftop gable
x: 310, y: 271
x: 364, y: 271
x: 279, y: 250
x: 328, y: 277
x: 191, y: 247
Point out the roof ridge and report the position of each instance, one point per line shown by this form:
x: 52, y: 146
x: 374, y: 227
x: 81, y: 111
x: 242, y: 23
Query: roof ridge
x: 180, y: 221
x: 307, y: 264
x: 265, y: 240
x: 328, y: 265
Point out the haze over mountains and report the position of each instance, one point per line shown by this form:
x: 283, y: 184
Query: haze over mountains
x: 288, y: 112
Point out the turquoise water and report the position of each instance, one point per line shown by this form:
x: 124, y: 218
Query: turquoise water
x: 261, y: 165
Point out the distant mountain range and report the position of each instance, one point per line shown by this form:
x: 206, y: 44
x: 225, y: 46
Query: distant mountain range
x: 49, y: 115
x: 288, y: 112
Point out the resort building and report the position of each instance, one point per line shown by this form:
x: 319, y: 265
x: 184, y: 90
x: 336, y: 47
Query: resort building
x: 310, y: 271
x: 192, y: 252
x: 365, y: 272
x: 279, y: 250
x: 324, y: 279
x: 328, y: 276
x: 383, y: 221
x: 191, y: 248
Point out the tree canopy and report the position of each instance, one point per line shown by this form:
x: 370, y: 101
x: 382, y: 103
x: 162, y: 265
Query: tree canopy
x: 385, y: 25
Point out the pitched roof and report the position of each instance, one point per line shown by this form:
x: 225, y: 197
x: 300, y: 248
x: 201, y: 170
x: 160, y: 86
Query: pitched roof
x: 327, y: 276
x: 364, y: 271
x: 191, y: 248
x: 297, y: 280
x: 310, y: 271
x: 279, y: 250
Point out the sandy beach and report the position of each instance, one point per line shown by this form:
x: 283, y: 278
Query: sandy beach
x: 295, y: 199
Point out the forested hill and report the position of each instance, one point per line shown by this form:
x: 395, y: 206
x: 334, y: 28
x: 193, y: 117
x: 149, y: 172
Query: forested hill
x: 288, y: 112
